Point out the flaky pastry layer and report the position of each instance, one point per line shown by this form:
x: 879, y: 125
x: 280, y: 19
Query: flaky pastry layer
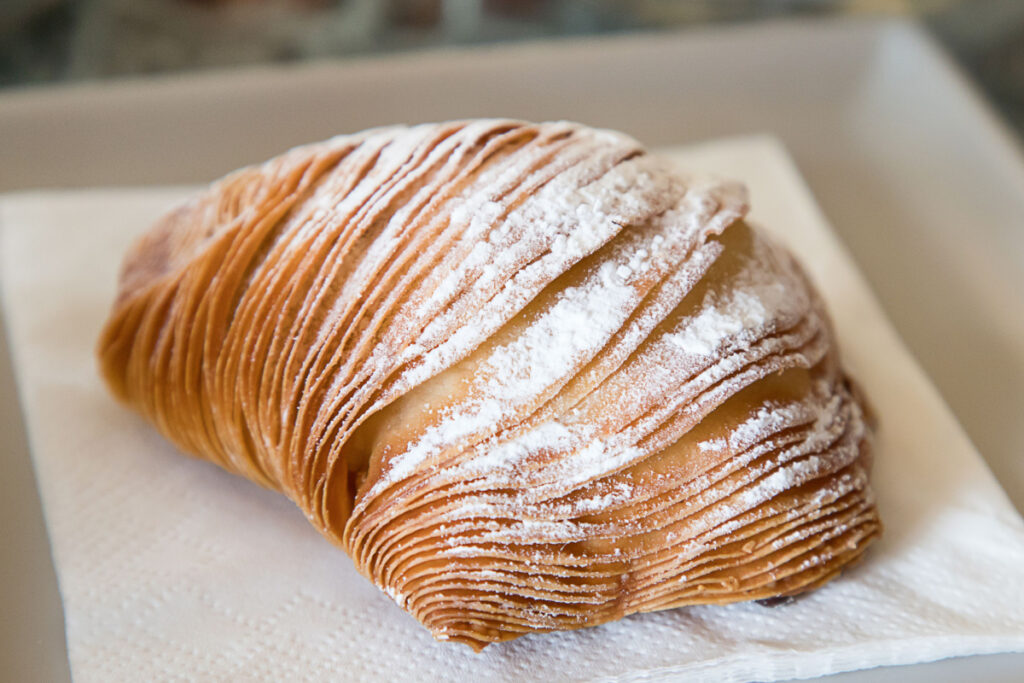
x: 528, y: 376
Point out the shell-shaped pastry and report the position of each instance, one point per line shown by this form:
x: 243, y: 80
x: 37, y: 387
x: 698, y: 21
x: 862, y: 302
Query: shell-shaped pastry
x: 528, y: 376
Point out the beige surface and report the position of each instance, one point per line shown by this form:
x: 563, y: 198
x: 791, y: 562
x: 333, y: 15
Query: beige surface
x: 149, y: 546
x: 32, y: 628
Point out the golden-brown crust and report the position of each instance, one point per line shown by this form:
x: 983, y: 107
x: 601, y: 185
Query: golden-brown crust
x: 526, y: 375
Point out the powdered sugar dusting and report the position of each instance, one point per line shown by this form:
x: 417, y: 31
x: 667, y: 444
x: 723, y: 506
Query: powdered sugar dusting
x: 476, y: 354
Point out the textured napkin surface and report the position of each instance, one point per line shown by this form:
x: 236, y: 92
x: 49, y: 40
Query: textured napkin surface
x: 172, y: 569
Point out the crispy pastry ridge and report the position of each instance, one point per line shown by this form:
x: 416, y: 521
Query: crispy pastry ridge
x: 528, y: 376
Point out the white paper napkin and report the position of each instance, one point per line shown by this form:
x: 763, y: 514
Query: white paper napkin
x: 172, y: 569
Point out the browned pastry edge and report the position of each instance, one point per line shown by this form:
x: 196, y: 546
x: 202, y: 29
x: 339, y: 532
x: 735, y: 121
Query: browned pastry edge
x: 528, y: 376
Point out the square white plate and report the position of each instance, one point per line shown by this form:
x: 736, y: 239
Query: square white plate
x: 922, y: 183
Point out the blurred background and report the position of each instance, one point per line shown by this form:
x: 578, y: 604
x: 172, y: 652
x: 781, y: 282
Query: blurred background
x: 46, y: 41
